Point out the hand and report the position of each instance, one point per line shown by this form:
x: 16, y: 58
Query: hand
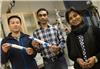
x: 54, y: 49
x: 82, y: 63
x: 5, y: 47
x: 91, y: 62
x: 29, y: 51
x: 34, y: 43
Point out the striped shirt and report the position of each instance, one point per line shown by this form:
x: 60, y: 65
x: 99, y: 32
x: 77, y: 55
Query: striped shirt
x: 52, y: 35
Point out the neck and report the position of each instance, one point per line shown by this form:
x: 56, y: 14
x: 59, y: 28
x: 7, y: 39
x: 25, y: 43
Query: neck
x: 16, y: 34
x: 45, y: 26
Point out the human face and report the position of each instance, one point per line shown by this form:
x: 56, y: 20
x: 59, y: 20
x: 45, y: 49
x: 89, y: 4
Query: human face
x: 15, y: 25
x: 74, y: 18
x: 42, y: 17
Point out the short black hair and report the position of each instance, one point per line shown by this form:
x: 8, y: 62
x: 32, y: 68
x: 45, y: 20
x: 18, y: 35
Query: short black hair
x: 42, y: 9
x: 14, y: 16
x: 70, y: 10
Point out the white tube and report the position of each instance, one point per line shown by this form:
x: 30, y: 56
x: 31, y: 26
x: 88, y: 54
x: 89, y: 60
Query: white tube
x: 45, y: 44
x: 16, y: 46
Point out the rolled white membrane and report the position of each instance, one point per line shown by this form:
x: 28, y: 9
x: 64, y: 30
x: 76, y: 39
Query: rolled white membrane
x: 16, y: 46
x: 45, y: 44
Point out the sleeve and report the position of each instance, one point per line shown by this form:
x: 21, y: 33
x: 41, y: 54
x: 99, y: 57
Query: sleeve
x: 72, y: 53
x: 4, y: 56
x: 34, y: 51
x: 61, y: 39
x: 39, y: 48
x: 97, y: 34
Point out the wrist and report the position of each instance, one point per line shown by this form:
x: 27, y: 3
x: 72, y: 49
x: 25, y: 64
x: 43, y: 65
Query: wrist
x: 95, y: 58
x: 78, y: 59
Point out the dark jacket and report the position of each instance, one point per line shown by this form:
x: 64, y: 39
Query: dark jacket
x: 19, y: 58
x: 92, y: 44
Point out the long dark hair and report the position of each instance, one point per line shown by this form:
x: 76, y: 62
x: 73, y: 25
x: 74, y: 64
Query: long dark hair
x: 70, y: 10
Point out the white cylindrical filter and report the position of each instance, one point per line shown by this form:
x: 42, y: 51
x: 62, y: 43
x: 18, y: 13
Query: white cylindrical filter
x: 16, y: 46
x: 45, y: 44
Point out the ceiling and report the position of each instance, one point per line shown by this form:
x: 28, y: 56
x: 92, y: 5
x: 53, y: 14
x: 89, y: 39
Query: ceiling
x: 30, y: 6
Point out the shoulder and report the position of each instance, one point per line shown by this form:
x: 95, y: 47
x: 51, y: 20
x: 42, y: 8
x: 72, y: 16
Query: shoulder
x: 95, y: 29
x: 24, y: 35
x: 97, y: 32
x: 4, y: 40
x: 36, y: 31
x: 55, y: 28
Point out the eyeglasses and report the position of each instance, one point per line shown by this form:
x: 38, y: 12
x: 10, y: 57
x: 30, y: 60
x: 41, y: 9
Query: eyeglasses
x: 40, y: 15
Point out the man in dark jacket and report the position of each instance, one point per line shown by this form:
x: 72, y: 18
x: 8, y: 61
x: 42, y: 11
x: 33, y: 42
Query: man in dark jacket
x: 83, y: 42
x: 19, y: 58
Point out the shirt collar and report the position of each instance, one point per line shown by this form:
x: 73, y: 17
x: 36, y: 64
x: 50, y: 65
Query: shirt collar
x: 21, y: 35
x: 48, y: 26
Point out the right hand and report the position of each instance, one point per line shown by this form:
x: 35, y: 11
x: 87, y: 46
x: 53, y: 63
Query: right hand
x: 34, y: 43
x: 29, y: 51
x: 5, y: 47
x: 55, y: 49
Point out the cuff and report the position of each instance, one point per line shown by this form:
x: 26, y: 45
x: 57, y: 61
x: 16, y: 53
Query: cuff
x: 96, y: 60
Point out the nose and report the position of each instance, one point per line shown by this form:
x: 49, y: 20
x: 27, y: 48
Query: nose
x: 42, y: 17
x: 73, y: 18
x: 16, y: 24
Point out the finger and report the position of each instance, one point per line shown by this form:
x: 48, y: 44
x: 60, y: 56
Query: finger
x: 86, y: 65
x: 90, y: 64
x: 29, y: 51
x: 6, y: 47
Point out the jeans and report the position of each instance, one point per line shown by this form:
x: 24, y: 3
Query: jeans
x: 59, y: 63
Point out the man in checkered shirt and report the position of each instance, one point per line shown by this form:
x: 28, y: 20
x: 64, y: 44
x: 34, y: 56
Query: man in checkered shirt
x: 53, y: 55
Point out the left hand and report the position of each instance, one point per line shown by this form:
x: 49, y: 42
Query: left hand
x: 35, y: 44
x: 29, y: 51
x: 90, y: 62
x: 82, y: 63
x: 55, y: 49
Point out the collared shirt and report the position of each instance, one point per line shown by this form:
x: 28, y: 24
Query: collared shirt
x: 51, y: 35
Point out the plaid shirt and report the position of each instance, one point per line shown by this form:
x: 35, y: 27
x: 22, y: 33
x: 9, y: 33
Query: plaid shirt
x: 51, y: 35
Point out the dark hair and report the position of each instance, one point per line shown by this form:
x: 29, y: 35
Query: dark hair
x: 68, y: 12
x: 42, y: 9
x: 14, y: 16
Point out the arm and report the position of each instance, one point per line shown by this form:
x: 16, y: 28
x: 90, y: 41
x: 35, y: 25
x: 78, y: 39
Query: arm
x: 72, y: 53
x: 5, y: 52
x: 61, y: 39
x: 30, y: 51
x: 95, y: 58
x: 58, y: 48
x: 97, y: 38
x: 37, y: 46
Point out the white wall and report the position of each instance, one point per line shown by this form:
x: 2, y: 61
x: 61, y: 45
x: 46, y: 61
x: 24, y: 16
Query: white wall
x: 33, y: 5
x: 97, y: 4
